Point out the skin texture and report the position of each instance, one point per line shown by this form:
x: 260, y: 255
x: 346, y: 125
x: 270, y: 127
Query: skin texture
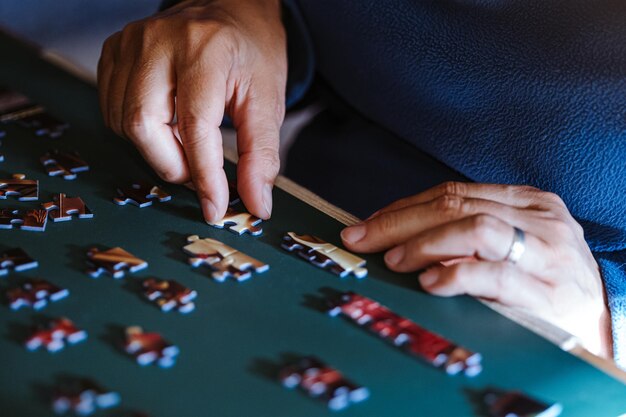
x: 199, y: 61
x: 469, y: 227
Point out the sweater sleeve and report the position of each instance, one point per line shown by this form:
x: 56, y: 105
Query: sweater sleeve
x: 301, y: 62
x: 613, y: 267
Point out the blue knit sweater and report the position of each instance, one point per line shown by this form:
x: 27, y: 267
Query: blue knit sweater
x: 504, y: 91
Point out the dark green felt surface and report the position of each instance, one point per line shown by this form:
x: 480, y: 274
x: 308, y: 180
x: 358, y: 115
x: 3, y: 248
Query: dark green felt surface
x: 232, y: 342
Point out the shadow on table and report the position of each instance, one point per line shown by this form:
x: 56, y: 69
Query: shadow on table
x: 270, y: 369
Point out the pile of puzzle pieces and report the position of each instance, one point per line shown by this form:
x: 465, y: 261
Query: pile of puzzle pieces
x: 62, y: 208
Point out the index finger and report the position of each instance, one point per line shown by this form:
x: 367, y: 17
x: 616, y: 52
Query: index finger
x: 519, y: 196
x: 200, y: 109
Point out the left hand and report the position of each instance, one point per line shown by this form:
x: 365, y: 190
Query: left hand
x: 556, y: 277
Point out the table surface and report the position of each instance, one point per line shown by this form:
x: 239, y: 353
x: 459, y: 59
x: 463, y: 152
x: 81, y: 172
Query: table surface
x: 231, y: 345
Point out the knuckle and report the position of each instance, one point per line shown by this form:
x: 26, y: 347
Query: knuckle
x: 387, y: 222
x: 129, y: 32
x: 484, y: 227
x: 451, y: 206
x: 134, y: 125
x: 525, y: 189
x: 561, y: 229
x: 578, y: 229
x: 192, y: 130
x: 269, y: 162
x: 214, y: 33
x: 455, y: 278
x: 110, y: 41
x: 551, y: 198
x: 223, y: 36
x: 453, y: 188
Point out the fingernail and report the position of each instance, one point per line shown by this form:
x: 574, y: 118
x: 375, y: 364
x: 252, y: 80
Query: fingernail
x: 395, y: 255
x: 267, y: 199
x: 429, y: 277
x: 374, y: 214
x: 354, y: 233
x: 210, y: 211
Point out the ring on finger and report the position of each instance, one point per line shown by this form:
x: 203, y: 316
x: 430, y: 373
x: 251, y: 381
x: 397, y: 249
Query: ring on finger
x: 518, y: 246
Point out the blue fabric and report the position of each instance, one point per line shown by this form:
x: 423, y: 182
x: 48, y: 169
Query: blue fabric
x: 502, y: 91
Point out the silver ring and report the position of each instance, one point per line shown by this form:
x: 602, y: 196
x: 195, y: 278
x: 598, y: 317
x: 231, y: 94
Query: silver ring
x: 518, y: 246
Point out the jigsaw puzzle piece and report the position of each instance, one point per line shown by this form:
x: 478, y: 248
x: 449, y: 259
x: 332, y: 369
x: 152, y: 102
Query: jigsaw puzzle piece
x: 54, y: 335
x: 319, y: 380
x: 82, y: 396
x: 19, y: 186
x: 17, y: 259
x: 169, y: 295
x: 34, y: 293
x: 239, y: 223
x: 224, y: 260
x: 233, y: 195
x: 501, y: 403
x: 141, y: 194
x: 30, y: 220
x: 67, y: 164
x: 441, y: 352
x: 325, y: 255
x: 44, y: 124
x: 63, y: 207
x: 116, y: 262
x: 149, y: 348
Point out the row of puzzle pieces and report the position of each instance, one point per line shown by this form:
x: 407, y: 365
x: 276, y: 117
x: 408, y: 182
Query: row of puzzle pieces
x: 62, y: 208
x: 226, y: 261
x: 402, y: 332
x: 54, y: 334
x: 34, y: 293
x: 323, y: 382
x: 223, y: 259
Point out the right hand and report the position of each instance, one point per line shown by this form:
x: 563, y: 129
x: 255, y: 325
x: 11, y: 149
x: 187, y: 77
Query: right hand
x: 198, y: 60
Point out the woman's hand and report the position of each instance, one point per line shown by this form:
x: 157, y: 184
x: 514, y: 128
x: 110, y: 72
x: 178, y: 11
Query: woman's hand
x: 556, y: 277
x: 197, y: 60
